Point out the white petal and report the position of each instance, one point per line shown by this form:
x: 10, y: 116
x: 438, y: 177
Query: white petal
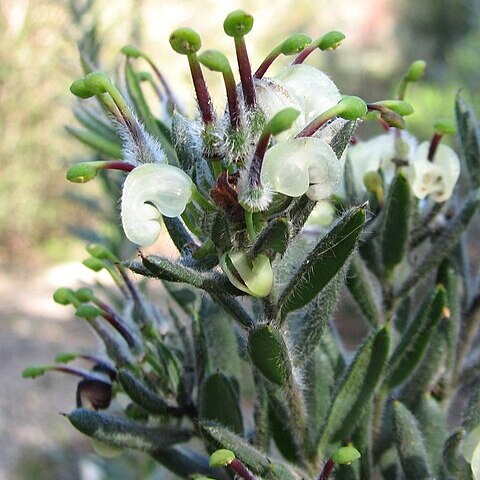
x: 313, y: 89
x: 149, y: 191
x: 302, y: 165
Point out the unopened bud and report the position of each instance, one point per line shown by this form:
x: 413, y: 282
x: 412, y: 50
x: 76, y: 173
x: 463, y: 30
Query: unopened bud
x: 444, y: 126
x: 215, y: 60
x: 238, y: 23
x: 88, y: 312
x: 295, y: 44
x: 221, y: 458
x: 416, y: 71
x: 351, y: 108
x: 346, y: 455
x: 331, y: 40
x: 185, y: 41
x: 98, y: 82
x: 79, y: 89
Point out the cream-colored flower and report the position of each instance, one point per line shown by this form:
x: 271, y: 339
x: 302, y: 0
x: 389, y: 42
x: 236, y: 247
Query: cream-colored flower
x: 150, y: 191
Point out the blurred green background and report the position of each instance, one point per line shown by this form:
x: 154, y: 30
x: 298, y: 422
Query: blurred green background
x: 38, y: 61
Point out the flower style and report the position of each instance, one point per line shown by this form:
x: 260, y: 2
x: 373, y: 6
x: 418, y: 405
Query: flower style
x: 150, y: 191
x: 254, y: 277
x: 437, y: 177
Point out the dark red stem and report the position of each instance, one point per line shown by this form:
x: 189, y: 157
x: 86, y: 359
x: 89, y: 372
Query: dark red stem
x: 232, y: 98
x: 203, y: 97
x: 265, y: 65
x: 124, y: 166
x: 245, y: 71
x: 300, y: 58
x: 257, y: 162
x: 327, y: 470
x: 433, y: 145
x: 115, y: 321
x: 239, y: 468
x: 78, y: 373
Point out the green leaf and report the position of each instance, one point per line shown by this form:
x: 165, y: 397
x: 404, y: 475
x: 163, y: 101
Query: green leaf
x: 443, y: 244
x: 97, y: 142
x: 415, y: 340
x: 257, y: 461
x: 395, y: 225
x: 469, y: 134
x: 342, y: 138
x: 272, y: 239
x: 356, y: 388
x: 143, y: 396
x: 234, y: 309
x: 410, y: 447
x: 143, y: 111
x: 360, y: 285
x: 433, y: 426
x: 179, y: 234
x: 323, y: 262
x: 120, y: 432
x: 219, y: 402
x: 453, y: 458
x: 269, y: 354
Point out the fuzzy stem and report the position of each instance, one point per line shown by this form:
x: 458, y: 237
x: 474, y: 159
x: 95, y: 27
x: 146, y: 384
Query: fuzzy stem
x: 245, y: 71
x: 203, y: 97
x: 434, y: 145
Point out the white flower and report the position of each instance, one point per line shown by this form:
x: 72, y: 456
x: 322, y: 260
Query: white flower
x: 436, y: 178
x: 300, y: 166
x: 150, y: 191
x: 254, y: 277
x: 302, y: 87
x: 378, y: 153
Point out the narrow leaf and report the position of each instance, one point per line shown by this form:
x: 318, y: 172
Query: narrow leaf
x: 324, y: 261
x: 97, y: 142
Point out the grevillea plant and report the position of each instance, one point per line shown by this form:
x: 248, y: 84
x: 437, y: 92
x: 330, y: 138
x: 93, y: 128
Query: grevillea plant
x: 277, y: 209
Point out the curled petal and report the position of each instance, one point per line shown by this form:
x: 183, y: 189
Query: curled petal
x: 436, y: 178
x: 314, y: 90
x: 254, y: 277
x: 150, y: 191
x: 302, y: 165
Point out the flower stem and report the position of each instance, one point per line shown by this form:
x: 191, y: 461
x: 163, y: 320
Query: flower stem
x: 245, y: 71
x: 327, y: 470
x: 239, y: 468
x: 300, y: 58
x: 203, y: 97
x: 434, y: 145
x: 265, y: 65
x: 232, y: 98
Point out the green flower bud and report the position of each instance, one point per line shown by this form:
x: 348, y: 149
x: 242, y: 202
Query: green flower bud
x: 399, y: 106
x: 295, y: 44
x: 221, y: 458
x: 34, y: 372
x: 444, y: 126
x: 100, y: 252
x: 88, y: 312
x: 132, y: 51
x: 65, y: 357
x: 84, y: 294
x: 282, y: 121
x: 84, y: 172
x: 331, y: 40
x: 346, y: 455
x: 94, y: 264
x: 63, y: 296
x: 352, y: 108
x: 416, y: 71
x: 373, y: 182
x: 185, y: 41
x: 238, y: 23
x: 215, y: 60
x: 98, y: 82
x: 79, y: 89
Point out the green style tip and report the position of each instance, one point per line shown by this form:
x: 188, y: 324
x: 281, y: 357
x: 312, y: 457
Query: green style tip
x: 80, y: 90
x: 416, y: 71
x: 221, y: 458
x: 346, y: 455
x: 238, y: 23
x: 331, y: 40
x: 215, y: 61
x: 283, y: 120
x: 132, y: 51
x: 352, y: 108
x: 295, y: 44
x: 185, y: 41
x: 444, y: 126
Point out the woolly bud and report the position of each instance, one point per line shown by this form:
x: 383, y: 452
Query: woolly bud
x: 295, y: 44
x: 416, y: 71
x: 132, y: 51
x: 346, y: 455
x: 221, y: 458
x: 185, y: 41
x: 331, y: 40
x: 444, y: 126
x: 351, y: 108
x: 98, y: 82
x: 85, y: 171
x: 79, y: 89
x: 215, y: 60
x: 238, y: 23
